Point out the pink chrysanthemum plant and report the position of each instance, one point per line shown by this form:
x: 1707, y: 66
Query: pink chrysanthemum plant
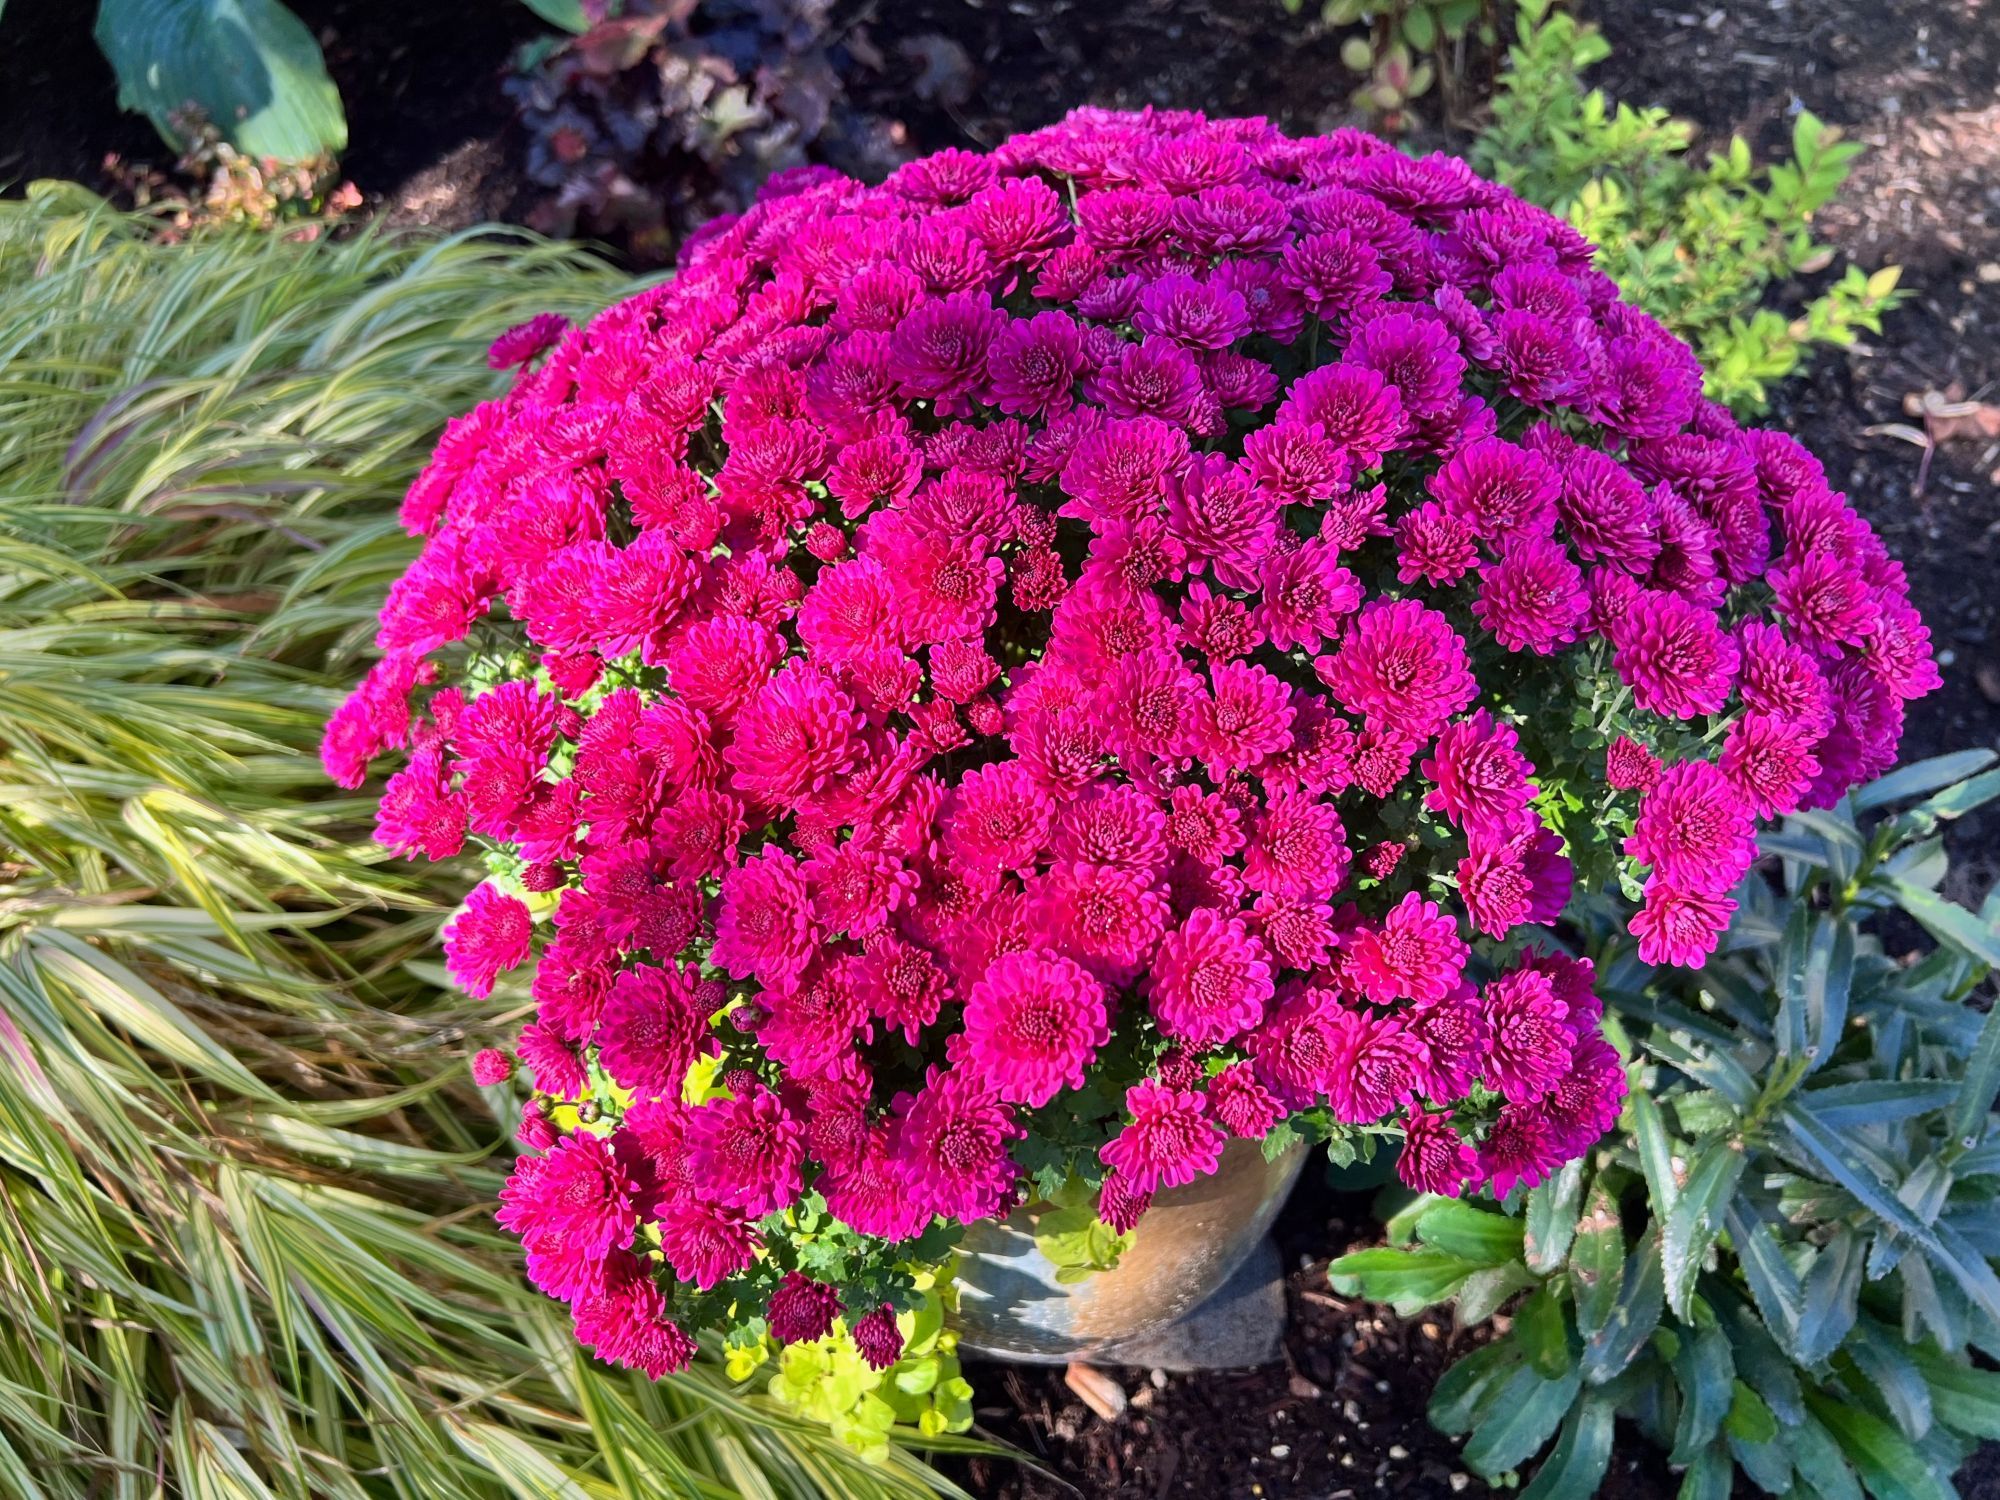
x: 1016, y: 676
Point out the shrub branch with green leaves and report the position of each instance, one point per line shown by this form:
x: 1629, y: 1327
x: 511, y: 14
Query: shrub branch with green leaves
x: 1700, y: 245
x: 1780, y: 1262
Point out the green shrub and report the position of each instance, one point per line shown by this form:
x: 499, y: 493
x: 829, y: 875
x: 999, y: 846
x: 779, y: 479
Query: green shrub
x: 246, y: 1245
x: 1779, y: 1263
x: 1698, y: 245
x: 1407, y: 46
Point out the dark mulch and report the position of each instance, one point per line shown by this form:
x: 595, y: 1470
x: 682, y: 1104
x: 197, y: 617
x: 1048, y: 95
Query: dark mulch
x: 1917, y: 80
x: 1341, y: 1418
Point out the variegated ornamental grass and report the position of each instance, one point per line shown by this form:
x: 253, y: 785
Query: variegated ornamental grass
x: 245, y: 1235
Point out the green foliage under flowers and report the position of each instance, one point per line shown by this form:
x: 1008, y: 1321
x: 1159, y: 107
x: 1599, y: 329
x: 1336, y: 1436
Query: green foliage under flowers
x: 827, y: 1380
x: 246, y: 1246
x: 1780, y: 1262
x: 1698, y: 245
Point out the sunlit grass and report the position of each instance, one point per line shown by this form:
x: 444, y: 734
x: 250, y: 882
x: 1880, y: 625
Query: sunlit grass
x: 245, y: 1235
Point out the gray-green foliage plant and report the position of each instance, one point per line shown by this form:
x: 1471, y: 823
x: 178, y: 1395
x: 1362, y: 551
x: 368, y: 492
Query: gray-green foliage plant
x: 1779, y: 1264
x: 1699, y: 244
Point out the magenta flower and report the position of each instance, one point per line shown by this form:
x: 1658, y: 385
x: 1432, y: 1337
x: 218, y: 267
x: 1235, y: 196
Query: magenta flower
x: 1210, y: 980
x: 1033, y: 1025
x: 492, y: 935
x: 1169, y: 1141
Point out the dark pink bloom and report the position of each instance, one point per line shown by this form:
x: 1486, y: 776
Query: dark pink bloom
x: 1400, y: 665
x: 746, y: 1151
x: 1169, y: 1141
x: 1481, y: 776
x: 1033, y: 1025
x: 1630, y: 766
x: 951, y: 1146
x: 1210, y: 980
x: 1435, y: 1157
x: 877, y: 1339
x: 1414, y: 952
x: 490, y: 936
x: 1674, y: 656
x: 1694, y: 828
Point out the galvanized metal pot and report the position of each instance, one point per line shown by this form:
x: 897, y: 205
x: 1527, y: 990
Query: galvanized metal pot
x: 1190, y: 1241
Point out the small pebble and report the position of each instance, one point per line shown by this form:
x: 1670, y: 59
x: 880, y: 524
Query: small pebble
x: 1382, y: 1386
x: 1398, y: 1451
x: 1989, y: 271
x: 1281, y: 1450
x: 1159, y: 1379
x: 1459, y: 1482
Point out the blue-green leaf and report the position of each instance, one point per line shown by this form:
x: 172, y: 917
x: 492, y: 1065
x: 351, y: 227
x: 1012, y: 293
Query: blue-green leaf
x: 251, y: 65
x: 1549, y: 1222
x: 1949, y: 923
x: 1634, y: 1314
x: 1516, y: 1418
x: 1879, y: 1101
x: 568, y: 14
x: 1696, y: 1219
x: 1888, y: 1465
x: 1576, y: 1466
x: 1922, y: 777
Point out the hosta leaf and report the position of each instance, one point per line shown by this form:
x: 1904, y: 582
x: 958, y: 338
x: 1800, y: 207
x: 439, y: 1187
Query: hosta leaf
x: 251, y: 65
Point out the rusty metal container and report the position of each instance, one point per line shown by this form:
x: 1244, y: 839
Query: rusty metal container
x: 1010, y: 1304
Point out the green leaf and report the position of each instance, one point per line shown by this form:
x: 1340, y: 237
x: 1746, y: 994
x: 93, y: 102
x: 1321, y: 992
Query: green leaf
x: 1597, y: 1260
x: 1774, y: 1285
x: 1964, y: 1399
x: 1831, y: 1292
x: 1576, y: 1466
x: 1944, y: 1246
x: 1981, y: 1082
x: 1950, y: 924
x: 1880, y: 1101
x: 1459, y: 1391
x: 1709, y: 1476
x: 1549, y: 1223
x: 1542, y: 1325
x: 1656, y: 1156
x: 1474, y: 1234
x: 568, y: 14
x: 1486, y: 1291
x: 1705, y: 1369
x: 1408, y: 1280
x: 1888, y: 1465
x: 1749, y: 1417
x: 1820, y: 1462
x: 1696, y: 1218
x: 251, y: 65
x: 1890, y: 1373
x: 1517, y: 1416
x: 1922, y: 777
x: 1634, y: 1314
